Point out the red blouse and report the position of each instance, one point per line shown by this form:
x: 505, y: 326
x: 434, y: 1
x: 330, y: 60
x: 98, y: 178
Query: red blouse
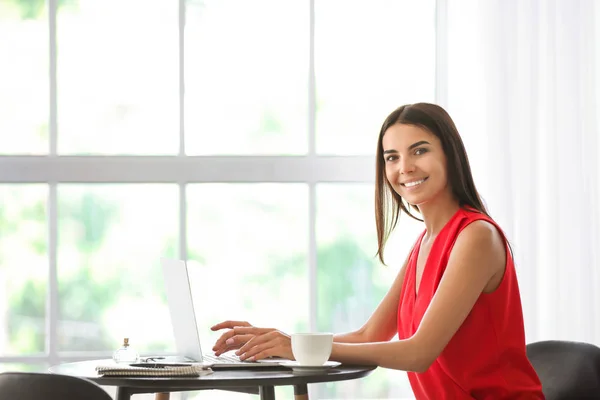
x: 486, y: 358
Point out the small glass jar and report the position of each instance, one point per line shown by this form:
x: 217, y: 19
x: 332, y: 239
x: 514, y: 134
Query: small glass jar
x: 125, y: 354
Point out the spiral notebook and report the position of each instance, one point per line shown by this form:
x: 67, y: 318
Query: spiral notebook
x: 153, y: 369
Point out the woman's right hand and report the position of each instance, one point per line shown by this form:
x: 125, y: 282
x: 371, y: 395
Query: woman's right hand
x: 229, y: 340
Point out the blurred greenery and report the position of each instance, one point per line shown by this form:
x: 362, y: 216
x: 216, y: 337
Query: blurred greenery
x: 30, y: 9
x: 95, y: 216
x: 270, y: 125
x: 27, y: 305
x: 34, y: 9
x: 86, y: 300
x: 345, y: 285
x: 344, y: 277
x: 20, y: 219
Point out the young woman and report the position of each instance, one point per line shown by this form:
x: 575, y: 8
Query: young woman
x: 455, y: 303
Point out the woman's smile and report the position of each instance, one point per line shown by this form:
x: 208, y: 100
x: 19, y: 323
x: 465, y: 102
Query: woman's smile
x: 413, y: 184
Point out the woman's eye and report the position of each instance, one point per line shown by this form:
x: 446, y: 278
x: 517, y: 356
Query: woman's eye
x: 390, y: 158
x: 420, y: 151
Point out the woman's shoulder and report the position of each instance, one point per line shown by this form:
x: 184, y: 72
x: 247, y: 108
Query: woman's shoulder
x: 468, y: 215
x: 480, y: 231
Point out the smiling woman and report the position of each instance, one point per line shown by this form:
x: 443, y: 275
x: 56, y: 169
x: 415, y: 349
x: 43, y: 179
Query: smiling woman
x: 455, y: 304
x: 458, y: 288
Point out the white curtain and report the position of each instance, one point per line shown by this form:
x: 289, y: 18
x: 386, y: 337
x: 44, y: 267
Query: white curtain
x: 523, y: 87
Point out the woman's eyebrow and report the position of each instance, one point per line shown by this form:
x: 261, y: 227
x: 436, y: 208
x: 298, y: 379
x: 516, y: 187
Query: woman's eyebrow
x: 422, y: 142
x: 412, y: 146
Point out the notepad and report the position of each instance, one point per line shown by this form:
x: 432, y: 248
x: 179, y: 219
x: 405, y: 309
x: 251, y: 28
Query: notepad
x: 189, y: 370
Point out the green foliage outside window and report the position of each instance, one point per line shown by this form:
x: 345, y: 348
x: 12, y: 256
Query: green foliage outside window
x: 34, y: 9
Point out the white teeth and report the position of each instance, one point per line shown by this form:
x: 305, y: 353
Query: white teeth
x: 415, y: 183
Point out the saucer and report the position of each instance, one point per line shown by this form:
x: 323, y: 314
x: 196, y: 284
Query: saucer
x: 309, y: 368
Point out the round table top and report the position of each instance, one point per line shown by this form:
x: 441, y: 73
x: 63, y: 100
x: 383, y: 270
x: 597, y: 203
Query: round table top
x: 220, y: 378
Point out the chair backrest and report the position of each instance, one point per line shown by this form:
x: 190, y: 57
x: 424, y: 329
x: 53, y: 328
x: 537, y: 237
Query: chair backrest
x: 38, y: 386
x: 568, y: 370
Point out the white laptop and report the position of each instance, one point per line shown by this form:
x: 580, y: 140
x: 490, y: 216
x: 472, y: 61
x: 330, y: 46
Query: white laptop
x: 183, y: 318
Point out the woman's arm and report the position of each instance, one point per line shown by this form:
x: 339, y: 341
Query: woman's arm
x: 383, y: 323
x: 477, y: 257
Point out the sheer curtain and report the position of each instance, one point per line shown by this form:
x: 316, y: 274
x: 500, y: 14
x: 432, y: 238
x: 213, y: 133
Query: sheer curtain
x: 523, y: 87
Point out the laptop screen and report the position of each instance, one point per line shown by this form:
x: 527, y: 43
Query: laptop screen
x: 181, y: 308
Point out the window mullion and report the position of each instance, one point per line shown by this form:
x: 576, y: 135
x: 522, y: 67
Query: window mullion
x: 312, y: 101
x: 53, y: 117
x: 52, y: 296
x: 182, y: 221
x: 52, y: 309
x: 312, y: 256
x: 181, y: 77
x: 312, y: 232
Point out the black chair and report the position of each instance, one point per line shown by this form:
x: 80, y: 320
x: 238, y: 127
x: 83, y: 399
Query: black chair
x: 38, y: 386
x: 568, y: 370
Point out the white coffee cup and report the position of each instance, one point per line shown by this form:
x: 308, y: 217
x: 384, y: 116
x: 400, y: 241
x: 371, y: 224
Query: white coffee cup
x: 312, y: 348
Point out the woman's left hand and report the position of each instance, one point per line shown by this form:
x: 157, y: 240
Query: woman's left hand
x: 267, y: 342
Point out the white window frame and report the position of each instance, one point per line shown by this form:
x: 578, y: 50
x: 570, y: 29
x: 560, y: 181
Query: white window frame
x: 180, y: 169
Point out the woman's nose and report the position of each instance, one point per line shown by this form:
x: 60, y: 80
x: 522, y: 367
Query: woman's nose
x: 406, y: 166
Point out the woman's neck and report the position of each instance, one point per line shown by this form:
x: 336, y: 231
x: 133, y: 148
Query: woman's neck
x: 437, y: 213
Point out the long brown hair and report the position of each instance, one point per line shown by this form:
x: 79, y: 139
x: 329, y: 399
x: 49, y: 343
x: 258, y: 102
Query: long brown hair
x: 388, y: 203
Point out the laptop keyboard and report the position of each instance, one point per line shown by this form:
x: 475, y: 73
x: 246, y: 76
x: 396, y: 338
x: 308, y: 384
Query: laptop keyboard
x: 222, y: 359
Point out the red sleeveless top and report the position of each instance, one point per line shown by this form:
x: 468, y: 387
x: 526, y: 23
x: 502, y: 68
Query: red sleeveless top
x: 486, y: 358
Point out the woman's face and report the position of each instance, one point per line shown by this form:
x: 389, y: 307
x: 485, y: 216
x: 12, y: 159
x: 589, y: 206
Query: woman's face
x: 415, y: 163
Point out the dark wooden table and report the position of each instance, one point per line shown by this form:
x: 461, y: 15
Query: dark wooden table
x: 259, y: 381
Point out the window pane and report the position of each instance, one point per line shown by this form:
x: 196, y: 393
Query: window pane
x: 246, y: 66
x: 351, y: 281
x: 110, y: 241
x: 248, y: 243
x: 23, y: 268
x: 24, y: 78
x: 118, y: 77
x: 376, y: 59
